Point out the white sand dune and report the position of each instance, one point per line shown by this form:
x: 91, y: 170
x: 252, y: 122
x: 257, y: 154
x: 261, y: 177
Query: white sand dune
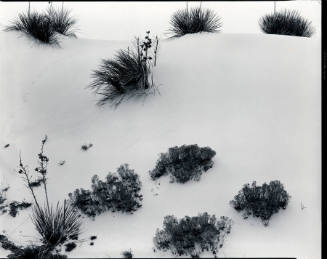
x: 255, y: 99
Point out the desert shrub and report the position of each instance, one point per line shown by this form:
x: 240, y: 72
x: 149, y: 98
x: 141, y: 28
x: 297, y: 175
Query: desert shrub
x: 56, y: 225
x: 286, y: 22
x: 261, y: 201
x: 61, y: 21
x: 15, y: 206
x: 127, y: 74
x: 184, y: 163
x: 35, y: 252
x: 194, y: 20
x: 70, y: 246
x: 127, y: 254
x: 119, y: 192
x: 8, y: 244
x: 37, y: 25
x: 192, y: 235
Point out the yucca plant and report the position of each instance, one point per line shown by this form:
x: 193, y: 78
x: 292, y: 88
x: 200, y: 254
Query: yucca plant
x: 194, y: 20
x: 286, y: 22
x: 62, y: 21
x: 54, y: 224
x: 127, y: 74
x: 35, y: 24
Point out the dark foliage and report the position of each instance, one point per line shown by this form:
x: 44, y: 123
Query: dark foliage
x: 127, y: 254
x: 287, y: 22
x: 7, y: 145
x: 184, y: 163
x: 35, y: 24
x: 56, y: 225
x: 93, y: 237
x: 193, y: 21
x: 86, y: 147
x: 61, y: 20
x: 70, y: 246
x: 261, y: 201
x: 35, y: 252
x: 36, y: 183
x: 192, y: 235
x: 91, y: 244
x: 119, y: 192
x: 127, y: 74
x: 7, y: 244
x: 15, y: 206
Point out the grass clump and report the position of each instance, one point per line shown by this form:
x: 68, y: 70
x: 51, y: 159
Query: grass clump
x: 192, y: 235
x: 128, y: 74
x: 127, y: 254
x: 119, y: 192
x: 45, y: 26
x: 184, y: 163
x: 261, y: 201
x: 195, y: 20
x: 286, y: 22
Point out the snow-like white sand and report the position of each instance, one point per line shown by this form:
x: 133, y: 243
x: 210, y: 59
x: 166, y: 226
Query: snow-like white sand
x: 255, y: 99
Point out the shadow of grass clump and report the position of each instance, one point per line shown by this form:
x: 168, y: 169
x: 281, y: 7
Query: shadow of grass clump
x: 193, y: 21
x: 192, y: 235
x: 286, y: 22
x: 261, y: 201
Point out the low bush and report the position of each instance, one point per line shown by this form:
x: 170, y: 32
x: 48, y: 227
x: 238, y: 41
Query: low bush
x: 127, y: 254
x: 119, y: 192
x: 127, y: 74
x: 193, y: 21
x: 184, y: 163
x: 35, y: 252
x: 287, y: 22
x: 61, y: 20
x: 15, y: 206
x: 261, y: 201
x: 192, y: 235
x: 70, y: 246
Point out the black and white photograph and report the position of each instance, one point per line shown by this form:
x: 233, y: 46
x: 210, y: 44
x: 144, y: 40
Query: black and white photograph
x: 161, y: 129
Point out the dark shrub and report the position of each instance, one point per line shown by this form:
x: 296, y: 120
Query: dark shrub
x: 37, y: 25
x: 7, y: 244
x: 286, y: 23
x: 127, y: 74
x: 56, y: 225
x: 15, y: 206
x: 119, y: 192
x: 61, y: 20
x: 35, y: 252
x: 194, y: 20
x: 192, y: 235
x: 184, y: 163
x: 127, y: 254
x: 261, y: 201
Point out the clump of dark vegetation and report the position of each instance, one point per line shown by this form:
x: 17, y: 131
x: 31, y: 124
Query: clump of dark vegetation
x: 93, y: 237
x: 91, y: 244
x: 61, y: 21
x: 286, y: 22
x: 15, y: 206
x: 184, y: 163
x: 6, y: 146
x: 193, y: 21
x: 261, y: 201
x: 45, y: 26
x: 119, y: 192
x: 128, y: 74
x: 54, y: 224
x: 3, y: 205
x: 86, y: 147
x: 127, y: 254
x: 28, y: 252
x: 192, y: 235
x: 60, y: 163
x: 70, y: 246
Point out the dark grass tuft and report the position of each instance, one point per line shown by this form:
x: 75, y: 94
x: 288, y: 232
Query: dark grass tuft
x: 70, y: 246
x: 62, y: 21
x: 193, y: 21
x: 56, y: 225
x: 35, y: 24
x: 286, y: 22
x: 15, y: 206
x: 127, y: 254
